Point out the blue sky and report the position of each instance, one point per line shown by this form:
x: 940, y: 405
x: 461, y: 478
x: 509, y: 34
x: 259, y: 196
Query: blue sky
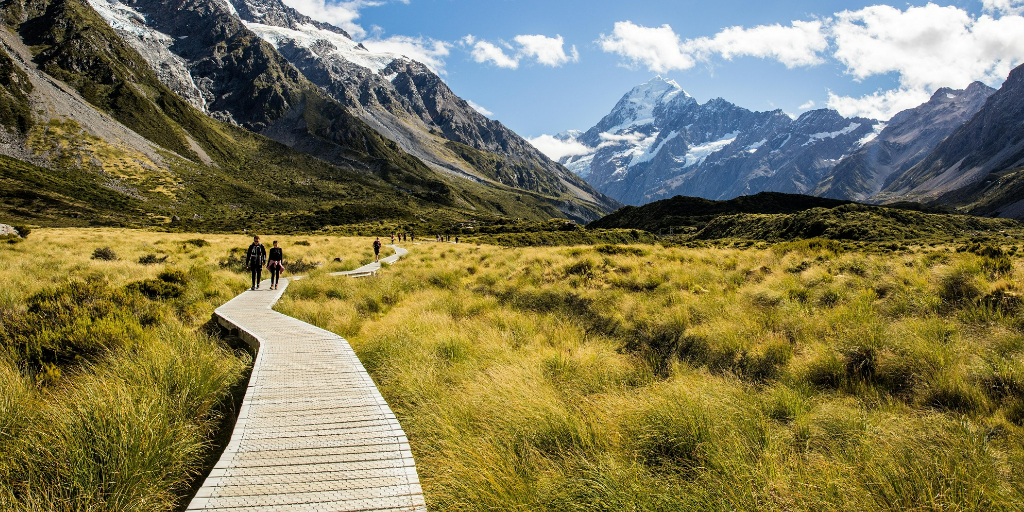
x: 862, y: 58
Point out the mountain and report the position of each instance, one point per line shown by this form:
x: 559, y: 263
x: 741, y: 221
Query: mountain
x: 980, y: 166
x: 658, y: 142
x: 92, y: 134
x: 906, y: 140
x: 264, y: 66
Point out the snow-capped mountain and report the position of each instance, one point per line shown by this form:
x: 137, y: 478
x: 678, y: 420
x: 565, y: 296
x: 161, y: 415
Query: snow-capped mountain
x: 659, y: 142
x: 214, y: 53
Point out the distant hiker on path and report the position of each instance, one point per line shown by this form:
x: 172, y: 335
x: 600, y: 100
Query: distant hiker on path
x: 275, y: 265
x: 376, y: 250
x: 392, y: 239
x: 255, y: 258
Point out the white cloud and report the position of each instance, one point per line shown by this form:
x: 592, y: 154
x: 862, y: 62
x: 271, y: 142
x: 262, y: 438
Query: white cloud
x: 924, y: 48
x: 1002, y: 6
x: 480, y: 109
x: 657, y: 48
x: 805, y: 106
x: 488, y: 52
x: 660, y: 49
x: 880, y: 104
x: 556, y: 149
x: 549, y: 51
x: 342, y: 15
x: 430, y: 52
x: 927, y: 48
x: 797, y: 45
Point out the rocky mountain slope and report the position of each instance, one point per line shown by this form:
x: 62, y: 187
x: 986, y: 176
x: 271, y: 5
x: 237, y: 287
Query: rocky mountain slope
x: 90, y: 134
x: 980, y: 166
x: 907, y: 139
x: 264, y: 66
x: 658, y: 142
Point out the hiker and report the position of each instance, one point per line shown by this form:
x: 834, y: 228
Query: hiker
x: 376, y: 250
x: 456, y: 238
x: 392, y: 239
x: 255, y: 258
x: 275, y: 265
x: 412, y: 236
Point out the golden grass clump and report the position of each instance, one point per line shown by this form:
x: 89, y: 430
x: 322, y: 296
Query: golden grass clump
x: 807, y: 376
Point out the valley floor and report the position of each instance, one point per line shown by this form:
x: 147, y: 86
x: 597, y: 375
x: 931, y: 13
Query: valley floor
x: 797, y: 376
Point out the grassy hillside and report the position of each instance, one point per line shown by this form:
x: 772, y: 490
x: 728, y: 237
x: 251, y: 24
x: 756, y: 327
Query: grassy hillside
x: 682, y: 213
x: 854, y: 222
x: 799, y: 377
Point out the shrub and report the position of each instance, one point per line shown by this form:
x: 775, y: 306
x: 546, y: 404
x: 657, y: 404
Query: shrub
x: 151, y: 259
x: 958, y: 288
x: 300, y: 266
x: 304, y: 243
x: 104, y: 253
x: 198, y: 242
x: 582, y: 268
x: 173, y: 276
x: 157, y: 289
x: 997, y: 266
x: 22, y: 230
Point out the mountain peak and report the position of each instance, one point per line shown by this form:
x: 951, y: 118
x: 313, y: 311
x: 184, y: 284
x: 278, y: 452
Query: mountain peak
x: 655, y: 90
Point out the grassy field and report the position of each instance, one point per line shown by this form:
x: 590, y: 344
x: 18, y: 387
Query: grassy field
x: 797, y: 377
x: 112, y: 388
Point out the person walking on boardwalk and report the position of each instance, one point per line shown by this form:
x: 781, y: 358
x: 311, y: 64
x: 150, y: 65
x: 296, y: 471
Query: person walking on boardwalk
x: 392, y: 239
x: 376, y: 250
x: 255, y: 258
x: 275, y: 265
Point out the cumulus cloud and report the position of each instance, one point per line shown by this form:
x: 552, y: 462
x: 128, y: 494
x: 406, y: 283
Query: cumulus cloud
x: 657, y: 48
x: 805, y: 106
x: 924, y: 48
x: 480, y: 109
x: 549, y: 51
x: 484, y: 51
x: 342, y: 14
x: 1002, y: 6
x: 660, y: 49
x: 430, y: 52
x: 556, y: 148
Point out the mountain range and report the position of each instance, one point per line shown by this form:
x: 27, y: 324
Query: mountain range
x: 962, y: 148
x: 194, y: 109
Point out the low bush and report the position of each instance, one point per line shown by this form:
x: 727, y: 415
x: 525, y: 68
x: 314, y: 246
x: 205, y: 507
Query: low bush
x: 197, y: 242
x: 104, y: 253
x: 152, y: 259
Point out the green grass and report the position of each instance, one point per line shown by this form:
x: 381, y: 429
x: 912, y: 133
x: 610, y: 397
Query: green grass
x: 808, y: 376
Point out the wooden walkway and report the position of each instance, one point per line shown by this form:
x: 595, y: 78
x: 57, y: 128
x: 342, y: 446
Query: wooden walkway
x: 313, y: 433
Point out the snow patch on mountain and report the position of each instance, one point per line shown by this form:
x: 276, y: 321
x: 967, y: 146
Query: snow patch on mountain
x: 697, y: 154
x: 323, y: 43
x: 814, y: 137
x: 755, y: 146
x: 154, y: 46
x: 871, y: 136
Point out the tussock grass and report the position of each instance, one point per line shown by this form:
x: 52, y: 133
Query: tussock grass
x: 111, y: 387
x: 805, y: 376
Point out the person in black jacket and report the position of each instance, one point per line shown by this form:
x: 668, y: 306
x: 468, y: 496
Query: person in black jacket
x: 376, y: 249
x: 255, y: 258
x: 275, y: 265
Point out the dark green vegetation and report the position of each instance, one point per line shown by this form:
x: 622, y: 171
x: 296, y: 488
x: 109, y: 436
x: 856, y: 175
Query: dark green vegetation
x: 15, y: 111
x: 770, y: 216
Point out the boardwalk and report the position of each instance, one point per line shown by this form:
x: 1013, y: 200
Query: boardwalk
x: 313, y: 433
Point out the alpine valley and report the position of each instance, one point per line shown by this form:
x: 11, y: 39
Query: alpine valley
x: 962, y: 148
x: 245, y: 113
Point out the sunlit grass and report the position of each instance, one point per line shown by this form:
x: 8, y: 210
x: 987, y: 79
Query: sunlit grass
x: 800, y: 378
x: 109, y: 399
